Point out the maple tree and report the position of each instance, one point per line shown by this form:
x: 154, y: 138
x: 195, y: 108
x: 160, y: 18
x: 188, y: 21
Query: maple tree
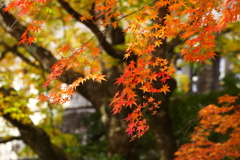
x: 223, y: 120
x: 144, y: 78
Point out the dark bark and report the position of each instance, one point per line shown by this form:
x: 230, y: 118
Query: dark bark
x: 34, y: 136
x: 119, y: 142
x: 162, y: 125
x: 117, y: 139
x: 9, y: 139
x: 38, y: 140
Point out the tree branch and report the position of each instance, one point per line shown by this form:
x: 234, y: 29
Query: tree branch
x: 94, y: 28
x: 43, y: 56
x: 8, y: 139
x: 34, y: 136
x: 14, y: 50
x: 47, y: 60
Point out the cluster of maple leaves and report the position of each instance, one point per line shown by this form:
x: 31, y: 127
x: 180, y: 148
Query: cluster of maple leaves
x: 140, y: 76
x: 195, y: 21
x: 223, y: 120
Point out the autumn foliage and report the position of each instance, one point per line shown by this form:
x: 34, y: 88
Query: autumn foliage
x: 195, y: 22
x: 213, y: 119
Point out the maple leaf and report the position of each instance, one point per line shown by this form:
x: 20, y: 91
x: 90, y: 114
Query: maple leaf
x: 82, y: 18
x: 227, y: 98
x: 126, y: 55
x: 153, y: 14
x: 23, y: 40
x: 129, y: 117
x: 160, y: 74
x: 135, y: 116
x: 152, y: 77
x: 157, y: 43
x: 9, y: 7
x: 144, y: 88
x: 120, y: 80
x: 114, y: 24
x: 24, y: 34
x: 35, y: 29
x: 100, y: 78
x: 31, y: 39
x: 141, y: 128
x: 68, y: 18
x: 163, y: 80
x: 95, y: 51
x: 151, y: 99
x: 130, y: 131
x: 42, y: 98
x: 154, y: 112
x: 165, y: 89
x: 131, y: 102
x: 117, y: 106
x: 64, y: 48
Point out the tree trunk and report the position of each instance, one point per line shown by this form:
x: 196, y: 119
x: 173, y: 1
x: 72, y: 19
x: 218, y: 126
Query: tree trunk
x: 118, y: 141
x: 38, y: 140
x: 161, y: 122
x: 100, y: 96
x: 162, y: 126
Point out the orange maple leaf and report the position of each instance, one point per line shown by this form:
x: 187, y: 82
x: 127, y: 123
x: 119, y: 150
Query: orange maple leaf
x: 165, y: 89
x: 100, y: 78
x: 24, y: 39
x: 95, y: 51
x: 120, y: 80
x: 64, y: 48
x: 151, y: 99
x: 82, y: 18
x: 114, y: 24
x: 31, y: 39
